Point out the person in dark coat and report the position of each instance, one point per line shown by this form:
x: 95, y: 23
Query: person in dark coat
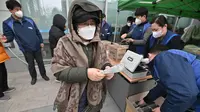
x: 177, y: 73
x: 56, y: 31
x: 106, y: 29
x: 127, y: 27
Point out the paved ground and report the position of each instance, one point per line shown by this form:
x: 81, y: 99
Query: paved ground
x: 37, y: 98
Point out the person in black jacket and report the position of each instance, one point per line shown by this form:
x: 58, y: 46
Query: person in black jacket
x: 126, y: 28
x: 56, y: 31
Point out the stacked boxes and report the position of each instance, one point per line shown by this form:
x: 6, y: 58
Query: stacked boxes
x: 106, y: 44
x: 116, y: 51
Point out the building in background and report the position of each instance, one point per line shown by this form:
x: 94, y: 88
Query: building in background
x: 42, y: 11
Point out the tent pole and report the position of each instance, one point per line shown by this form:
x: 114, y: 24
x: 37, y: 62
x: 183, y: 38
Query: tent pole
x: 67, y: 5
x: 176, y: 23
x: 106, y: 8
x: 117, y: 15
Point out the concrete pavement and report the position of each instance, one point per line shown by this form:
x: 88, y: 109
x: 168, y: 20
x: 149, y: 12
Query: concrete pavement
x: 39, y: 97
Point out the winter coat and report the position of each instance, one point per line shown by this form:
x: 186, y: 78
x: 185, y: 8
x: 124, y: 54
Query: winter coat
x: 71, y: 60
x: 57, y: 30
x: 3, y: 55
x: 176, y: 76
x: 25, y: 32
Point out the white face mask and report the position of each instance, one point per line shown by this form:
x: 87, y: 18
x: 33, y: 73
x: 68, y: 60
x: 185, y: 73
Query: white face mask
x: 138, y: 21
x: 87, y: 32
x: 157, y: 34
x: 19, y: 14
x: 128, y: 24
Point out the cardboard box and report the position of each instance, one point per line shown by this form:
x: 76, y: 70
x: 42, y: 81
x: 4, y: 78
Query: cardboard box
x: 129, y: 106
x: 136, y: 74
x: 106, y: 43
x: 129, y: 101
x: 116, y: 51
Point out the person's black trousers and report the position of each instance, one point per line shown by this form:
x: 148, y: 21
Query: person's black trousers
x: 3, y: 79
x: 30, y: 56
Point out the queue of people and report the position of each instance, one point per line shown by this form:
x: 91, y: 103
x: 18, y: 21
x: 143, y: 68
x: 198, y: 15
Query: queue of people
x: 168, y: 66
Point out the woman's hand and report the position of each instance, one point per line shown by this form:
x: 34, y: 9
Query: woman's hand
x: 95, y: 74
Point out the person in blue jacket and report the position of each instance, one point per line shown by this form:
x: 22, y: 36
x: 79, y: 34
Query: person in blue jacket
x: 138, y: 31
x: 162, y: 34
x: 178, y: 74
x: 28, y: 37
x: 106, y: 30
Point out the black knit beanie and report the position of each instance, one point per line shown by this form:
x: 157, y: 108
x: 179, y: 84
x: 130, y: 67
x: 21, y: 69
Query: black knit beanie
x: 80, y: 16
